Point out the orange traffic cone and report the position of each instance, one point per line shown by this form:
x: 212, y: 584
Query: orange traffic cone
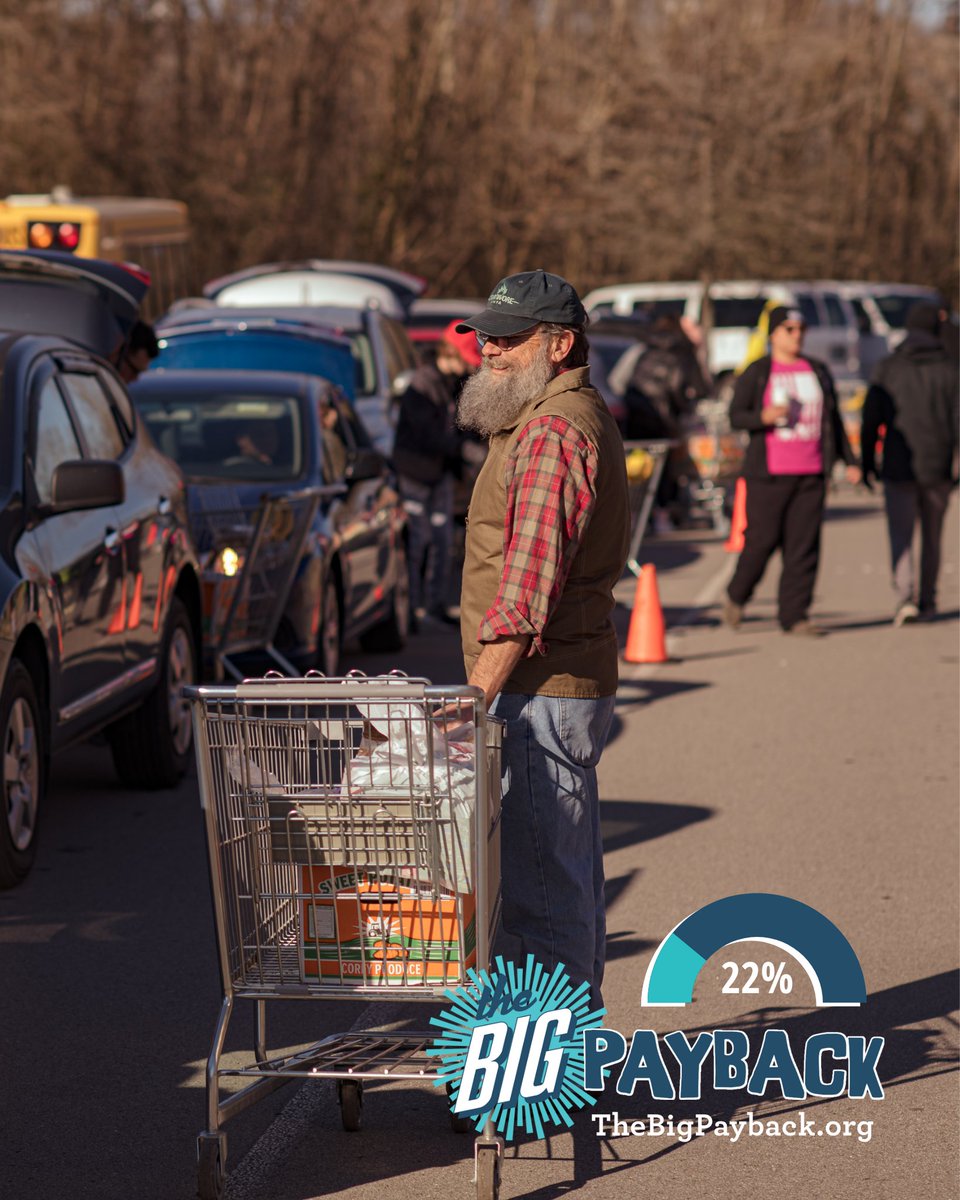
x: 734, y: 543
x: 645, y: 638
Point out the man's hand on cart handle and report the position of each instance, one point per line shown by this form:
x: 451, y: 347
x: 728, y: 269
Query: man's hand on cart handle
x: 490, y: 672
x: 496, y: 663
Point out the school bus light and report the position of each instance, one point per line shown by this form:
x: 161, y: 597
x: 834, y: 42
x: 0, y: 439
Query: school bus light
x: 40, y: 235
x: 68, y: 235
x: 53, y: 235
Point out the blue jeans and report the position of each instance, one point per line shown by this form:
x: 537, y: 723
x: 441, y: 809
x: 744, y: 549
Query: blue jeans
x: 551, y: 851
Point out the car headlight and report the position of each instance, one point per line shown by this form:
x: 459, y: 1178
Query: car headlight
x: 228, y: 562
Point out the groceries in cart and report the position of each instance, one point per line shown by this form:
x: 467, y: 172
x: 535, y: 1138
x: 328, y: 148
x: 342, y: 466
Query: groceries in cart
x: 389, y: 787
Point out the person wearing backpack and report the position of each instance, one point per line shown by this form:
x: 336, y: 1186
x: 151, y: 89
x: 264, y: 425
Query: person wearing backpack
x: 666, y: 383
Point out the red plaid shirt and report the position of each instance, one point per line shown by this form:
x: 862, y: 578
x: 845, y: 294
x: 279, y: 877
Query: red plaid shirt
x: 551, y: 490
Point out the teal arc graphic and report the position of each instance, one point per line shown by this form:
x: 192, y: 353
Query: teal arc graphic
x: 816, y: 943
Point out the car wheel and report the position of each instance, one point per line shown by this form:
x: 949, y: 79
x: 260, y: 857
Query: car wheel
x: 392, y: 632
x: 152, y: 746
x: 331, y: 631
x: 24, y: 768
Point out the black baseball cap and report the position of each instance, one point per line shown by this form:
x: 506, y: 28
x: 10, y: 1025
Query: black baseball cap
x: 783, y: 313
x: 521, y: 301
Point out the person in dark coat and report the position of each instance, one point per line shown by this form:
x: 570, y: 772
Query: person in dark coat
x: 666, y: 383
x: 427, y: 455
x: 787, y: 403
x: 913, y: 399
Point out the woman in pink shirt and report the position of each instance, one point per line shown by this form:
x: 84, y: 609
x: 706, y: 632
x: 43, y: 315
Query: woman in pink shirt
x: 788, y: 405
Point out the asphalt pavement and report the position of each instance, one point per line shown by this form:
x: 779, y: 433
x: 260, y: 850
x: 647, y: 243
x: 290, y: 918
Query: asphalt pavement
x: 824, y: 770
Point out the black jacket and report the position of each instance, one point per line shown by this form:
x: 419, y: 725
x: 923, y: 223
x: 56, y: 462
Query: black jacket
x: 746, y: 408
x: 427, y: 444
x: 664, y: 387
x: 914, y: 395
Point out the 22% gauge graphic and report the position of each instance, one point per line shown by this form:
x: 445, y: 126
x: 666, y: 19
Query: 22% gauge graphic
x: 774, y: 975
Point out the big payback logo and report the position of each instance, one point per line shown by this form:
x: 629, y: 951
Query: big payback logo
x: 522, y: 1048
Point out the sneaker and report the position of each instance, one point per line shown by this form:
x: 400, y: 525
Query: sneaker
x: 805, y: 629
x: 928, y: 612
x: 732, y: 614
x: 906, y: 614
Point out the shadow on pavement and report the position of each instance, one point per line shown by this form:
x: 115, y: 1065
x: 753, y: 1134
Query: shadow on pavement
x: 630, y: 822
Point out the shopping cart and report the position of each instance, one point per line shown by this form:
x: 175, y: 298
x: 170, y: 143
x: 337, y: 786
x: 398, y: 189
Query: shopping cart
x: 645, y: 463
x: 250, y: 557
x: 714, y: 457
x: 353, y: 845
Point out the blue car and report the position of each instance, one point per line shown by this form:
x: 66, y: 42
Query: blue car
x: 248, y: 434
x: 204, y: 341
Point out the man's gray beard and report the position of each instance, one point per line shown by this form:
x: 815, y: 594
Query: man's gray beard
x: 489, y: 404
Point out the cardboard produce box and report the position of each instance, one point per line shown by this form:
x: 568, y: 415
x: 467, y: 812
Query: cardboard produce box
x: 357, y: 928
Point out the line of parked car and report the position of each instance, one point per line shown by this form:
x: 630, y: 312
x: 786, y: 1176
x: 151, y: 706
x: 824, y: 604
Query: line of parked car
x: 105, y: 600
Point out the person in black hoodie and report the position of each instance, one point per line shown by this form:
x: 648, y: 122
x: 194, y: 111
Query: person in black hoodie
x: 913, y: 398
x: 788, y: 405
x: 427, y: 453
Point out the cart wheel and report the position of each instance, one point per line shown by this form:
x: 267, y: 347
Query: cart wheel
x: 458, y: 1124
x: 211, y: 1163
x: 488, y: 1173
x: 350, y: 1093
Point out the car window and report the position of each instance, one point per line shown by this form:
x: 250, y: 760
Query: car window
x: 365, y: 371
x: 336, y: 435
x: 121, y: 401
x: 737, y: 312
x: 895, y: 307
x: 227, y: 435
x: 400, y: 341
x: 56, y: 440
x: 395, y: 361
x: 835, y: 313
x: 808, y: 306
x: 863, y: 317
x: 94, y: 414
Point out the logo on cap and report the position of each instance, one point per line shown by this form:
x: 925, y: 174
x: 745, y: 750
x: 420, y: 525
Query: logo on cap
x: 502, y: 296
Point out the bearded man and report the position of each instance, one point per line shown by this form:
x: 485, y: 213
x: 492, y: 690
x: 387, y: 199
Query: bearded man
x: 547, y: 540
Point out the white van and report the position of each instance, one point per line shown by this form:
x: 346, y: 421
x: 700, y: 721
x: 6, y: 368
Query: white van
x: 737, y: 304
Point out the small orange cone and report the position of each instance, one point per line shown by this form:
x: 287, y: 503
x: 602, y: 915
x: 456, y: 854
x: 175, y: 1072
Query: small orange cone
x: 646, y: 642
x: 734, y: 543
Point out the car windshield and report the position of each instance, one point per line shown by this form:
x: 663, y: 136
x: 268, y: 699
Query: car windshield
x: 227, y: 435
x: 260, y: 350
x: 737, y: 312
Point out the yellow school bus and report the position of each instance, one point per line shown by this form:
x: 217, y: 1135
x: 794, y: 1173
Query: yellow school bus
x: 154, y: 234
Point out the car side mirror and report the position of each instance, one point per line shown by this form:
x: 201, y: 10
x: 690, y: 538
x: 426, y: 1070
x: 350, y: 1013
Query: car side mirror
x: 88, y: 483
x: 365, y: 463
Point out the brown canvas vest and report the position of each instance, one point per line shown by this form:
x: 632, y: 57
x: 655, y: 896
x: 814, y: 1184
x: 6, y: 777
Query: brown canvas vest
x: 581, y: 658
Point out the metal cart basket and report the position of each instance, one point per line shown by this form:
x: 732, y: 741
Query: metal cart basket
x: 250, y: 556
x: 353, y: 841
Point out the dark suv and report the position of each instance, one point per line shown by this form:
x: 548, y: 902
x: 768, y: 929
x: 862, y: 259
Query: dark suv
x: 99, y: 594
